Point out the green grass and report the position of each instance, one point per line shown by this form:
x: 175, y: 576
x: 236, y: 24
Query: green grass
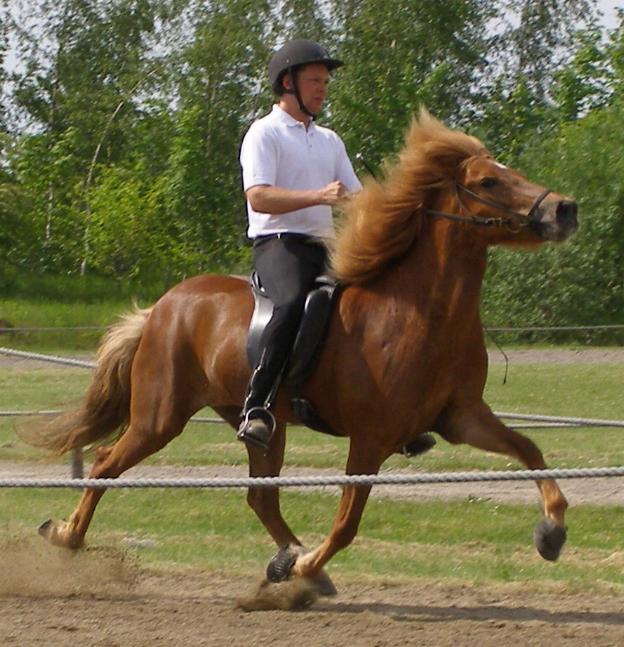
x: 24, y: 313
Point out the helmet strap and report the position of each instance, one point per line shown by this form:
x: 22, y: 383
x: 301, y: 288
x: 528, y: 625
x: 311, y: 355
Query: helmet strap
x: 295, y: 91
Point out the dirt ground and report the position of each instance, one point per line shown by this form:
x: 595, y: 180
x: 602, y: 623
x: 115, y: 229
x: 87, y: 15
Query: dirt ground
x: 103, y: 598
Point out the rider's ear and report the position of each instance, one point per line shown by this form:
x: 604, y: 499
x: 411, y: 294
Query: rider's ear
x: 287, y: 82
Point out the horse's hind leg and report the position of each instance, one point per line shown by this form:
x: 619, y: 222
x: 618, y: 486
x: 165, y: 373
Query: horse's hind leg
x: 480, y: 428
x: 136, y: 443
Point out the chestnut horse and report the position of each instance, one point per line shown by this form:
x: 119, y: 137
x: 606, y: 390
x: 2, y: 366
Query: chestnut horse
x: 404, y: 352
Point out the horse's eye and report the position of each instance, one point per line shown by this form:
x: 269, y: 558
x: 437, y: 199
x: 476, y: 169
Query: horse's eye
x: 488, y: 182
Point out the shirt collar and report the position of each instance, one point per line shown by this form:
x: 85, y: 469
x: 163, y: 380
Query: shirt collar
x: 287, y: 119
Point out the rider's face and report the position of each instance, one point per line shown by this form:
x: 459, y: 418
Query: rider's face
x: 312, y: 80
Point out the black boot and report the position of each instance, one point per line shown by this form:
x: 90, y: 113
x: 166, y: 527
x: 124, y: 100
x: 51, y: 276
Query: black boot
x: 258, y: 422
x: 257, y: 428
x: 419, y: 445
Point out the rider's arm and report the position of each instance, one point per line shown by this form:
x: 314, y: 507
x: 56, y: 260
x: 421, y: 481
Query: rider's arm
x: 275, y: 200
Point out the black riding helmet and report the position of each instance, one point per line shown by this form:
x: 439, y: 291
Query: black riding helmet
x: 292, y: 56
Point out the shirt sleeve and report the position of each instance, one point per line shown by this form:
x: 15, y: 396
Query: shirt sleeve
x: 344, y: 169
x: 258, y: 157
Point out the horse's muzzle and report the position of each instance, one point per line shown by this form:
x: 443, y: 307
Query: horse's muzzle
x: 556, y: 221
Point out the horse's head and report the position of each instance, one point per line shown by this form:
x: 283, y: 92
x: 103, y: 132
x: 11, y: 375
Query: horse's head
x: 518, y: 211
x: 446, y: 174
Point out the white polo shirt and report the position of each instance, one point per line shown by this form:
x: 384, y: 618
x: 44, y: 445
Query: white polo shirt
x: 279, y: 151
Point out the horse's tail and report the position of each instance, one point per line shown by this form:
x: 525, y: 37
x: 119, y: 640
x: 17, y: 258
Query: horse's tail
x: 105, y: 409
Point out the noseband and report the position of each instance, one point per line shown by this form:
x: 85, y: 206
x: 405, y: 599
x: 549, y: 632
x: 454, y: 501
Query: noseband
x: 514, y: 221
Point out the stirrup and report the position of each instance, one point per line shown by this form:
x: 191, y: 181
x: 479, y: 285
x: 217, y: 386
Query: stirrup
x: 262, y: 436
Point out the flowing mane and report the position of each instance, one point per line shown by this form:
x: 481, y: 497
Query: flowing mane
x: 381, y: 222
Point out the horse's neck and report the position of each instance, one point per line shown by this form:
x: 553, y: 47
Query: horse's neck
x: 442, y: 274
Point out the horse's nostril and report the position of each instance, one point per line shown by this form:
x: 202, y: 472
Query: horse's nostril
x: 566, y: 212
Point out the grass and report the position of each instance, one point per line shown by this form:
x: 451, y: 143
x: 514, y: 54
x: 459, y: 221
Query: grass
x: 24, y: 313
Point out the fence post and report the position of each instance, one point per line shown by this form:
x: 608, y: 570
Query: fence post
x: 77, y: 463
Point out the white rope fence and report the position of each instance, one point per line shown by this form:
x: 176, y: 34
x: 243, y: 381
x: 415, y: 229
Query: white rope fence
x: 561, y: 420
x: 316, y: 481
x: 544, y: 422
x: 549, y: 420
x: 12, y: 329
x: 53, y: 359
x: 553, y: 422
x: 555, y: 328
x: 56, y: 412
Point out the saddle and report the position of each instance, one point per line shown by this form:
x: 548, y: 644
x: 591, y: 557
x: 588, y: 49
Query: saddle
x: 308, y: 342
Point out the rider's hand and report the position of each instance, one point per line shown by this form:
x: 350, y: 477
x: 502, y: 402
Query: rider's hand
x: 332, y: 193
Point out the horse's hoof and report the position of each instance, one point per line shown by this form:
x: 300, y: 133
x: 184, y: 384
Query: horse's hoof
x: 324, y: 586
x: 278, y: 569
x: 420, y: 445
x: 56, y: 534
x: 549, y: 539
x: 45, y: 529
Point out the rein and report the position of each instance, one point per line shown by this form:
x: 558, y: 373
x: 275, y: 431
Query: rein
x: 474, y: 219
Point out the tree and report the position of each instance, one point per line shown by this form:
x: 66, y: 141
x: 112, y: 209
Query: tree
x: 532, y: 45
x: 430, y: 56
x: 219, y: 74
x: 88, y: 56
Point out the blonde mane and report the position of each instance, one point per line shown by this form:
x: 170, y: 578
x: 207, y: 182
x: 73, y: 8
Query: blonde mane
x: 382, y: 221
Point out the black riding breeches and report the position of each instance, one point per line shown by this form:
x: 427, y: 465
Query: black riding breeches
x: 287, y: 265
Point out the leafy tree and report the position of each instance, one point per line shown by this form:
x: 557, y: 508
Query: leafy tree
x: 89, y: 55
x: 218, y: 77
x: 586, y: 84
x: 580, y: 282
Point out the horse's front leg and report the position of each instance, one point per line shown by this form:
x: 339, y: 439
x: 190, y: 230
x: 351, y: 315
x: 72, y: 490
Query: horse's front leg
x: 343, y: 532
x: 479, y: 427
x: 347, y: 520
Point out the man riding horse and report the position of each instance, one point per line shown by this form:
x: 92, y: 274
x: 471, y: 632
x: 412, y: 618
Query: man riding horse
x: 294, y: 171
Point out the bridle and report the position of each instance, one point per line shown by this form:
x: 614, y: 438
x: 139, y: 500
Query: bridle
x: 515, y: 224
x: 515, y: 221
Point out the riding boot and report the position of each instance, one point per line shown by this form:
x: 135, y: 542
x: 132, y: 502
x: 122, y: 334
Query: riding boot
x: 258, y: 422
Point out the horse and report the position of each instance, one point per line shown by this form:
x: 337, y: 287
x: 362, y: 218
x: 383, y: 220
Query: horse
x: 404, y: 352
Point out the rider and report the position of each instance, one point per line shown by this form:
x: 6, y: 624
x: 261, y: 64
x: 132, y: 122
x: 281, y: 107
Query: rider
x: 294, y: 171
